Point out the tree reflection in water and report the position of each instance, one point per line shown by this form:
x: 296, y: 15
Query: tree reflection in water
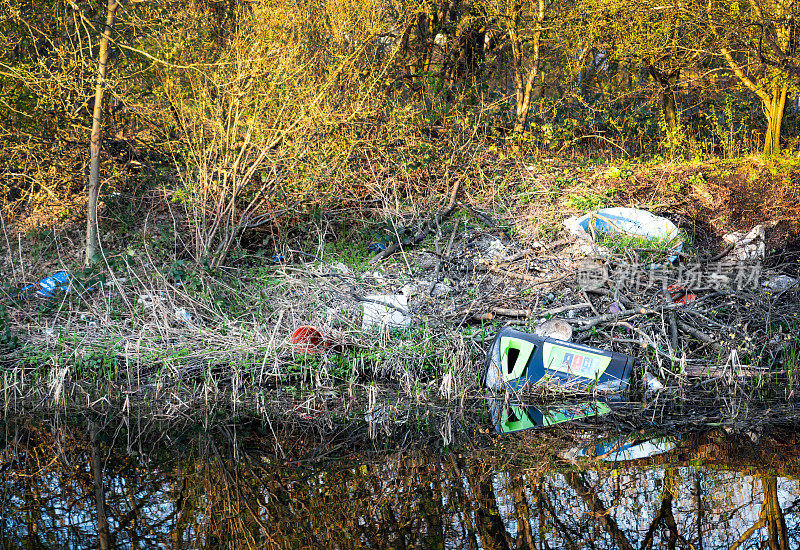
x: 83, y: 485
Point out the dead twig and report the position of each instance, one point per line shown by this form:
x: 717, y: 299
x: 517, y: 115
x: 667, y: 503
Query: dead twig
x: 433, y: 222
x: 520, y: 276
x: 524, y: 313
x: 700, y: 335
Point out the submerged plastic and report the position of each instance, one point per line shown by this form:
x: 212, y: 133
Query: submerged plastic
x: 630, y: 448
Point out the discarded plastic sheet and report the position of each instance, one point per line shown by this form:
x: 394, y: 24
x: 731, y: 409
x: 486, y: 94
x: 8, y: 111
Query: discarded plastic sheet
x: 57, y: 281
x: 680, y: 295
x: 779, y: 283
x: 386, y: 310
x: 510, y: 417
x: 516, y: 360
x: 632, y: 221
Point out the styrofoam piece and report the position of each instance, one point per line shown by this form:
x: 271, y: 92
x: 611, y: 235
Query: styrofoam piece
x: 554, y: 328
x: 629, y: 220
x: 779, y: 283
x: 386, y: 310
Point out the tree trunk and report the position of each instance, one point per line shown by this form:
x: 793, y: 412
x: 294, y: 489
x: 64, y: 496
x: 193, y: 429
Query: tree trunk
x: 669, y: 108
x: 771, y: 510
x: 97, y: 137
x: 773, y: 103
x: 774, y: 109
x: 598, y: 509
x: 524, y: 84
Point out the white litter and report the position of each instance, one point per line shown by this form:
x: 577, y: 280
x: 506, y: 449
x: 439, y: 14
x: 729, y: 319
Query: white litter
x: 382, y: 310
x: 149, y: 300
x: 554, y: 328
x: 652, y: 383
x: 747, y: 247
x: 627, y: 220
x: 779, y: 283
x: 495, y: 249
x: 182, y: 315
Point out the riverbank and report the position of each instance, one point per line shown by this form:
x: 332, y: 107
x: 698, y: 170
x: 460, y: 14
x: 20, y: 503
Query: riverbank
x: 150, y: 322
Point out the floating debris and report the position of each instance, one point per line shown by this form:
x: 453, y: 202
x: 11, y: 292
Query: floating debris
x: 518, y: 360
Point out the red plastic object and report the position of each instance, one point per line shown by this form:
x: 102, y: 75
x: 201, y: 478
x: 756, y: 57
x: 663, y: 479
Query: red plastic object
x: 309, y: 339
x: 679, y: 294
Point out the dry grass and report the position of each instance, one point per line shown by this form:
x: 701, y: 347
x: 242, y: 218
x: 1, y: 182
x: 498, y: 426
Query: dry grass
x: 177, y: 336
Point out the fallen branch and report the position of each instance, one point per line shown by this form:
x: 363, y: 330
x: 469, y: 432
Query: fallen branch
x: 702, y: 336
x: 540, y: 248
x: 726, y: 371
x: 485, y: 218
x: 535, y: 281
x: 609, y: 317
x: 437, y: 219
x: 573, y: 141
x: 523, y: 313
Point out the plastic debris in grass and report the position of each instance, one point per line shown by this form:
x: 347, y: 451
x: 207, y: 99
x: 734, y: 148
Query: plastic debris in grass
x: 150, y: 300
x: 62, y: 281
x: 182, y: 315
x: 651, y: 238
x: 385, y: 310
x: 518, y: 360
x: 57, y: 281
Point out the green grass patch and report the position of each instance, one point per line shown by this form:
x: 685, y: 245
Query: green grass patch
x: 587, y: 200
x: 645, y: 249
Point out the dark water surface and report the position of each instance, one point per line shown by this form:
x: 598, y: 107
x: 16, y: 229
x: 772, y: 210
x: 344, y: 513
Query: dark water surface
x: 93, y: 482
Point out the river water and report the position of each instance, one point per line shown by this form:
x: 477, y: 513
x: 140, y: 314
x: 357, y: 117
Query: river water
x: 99, y: 481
